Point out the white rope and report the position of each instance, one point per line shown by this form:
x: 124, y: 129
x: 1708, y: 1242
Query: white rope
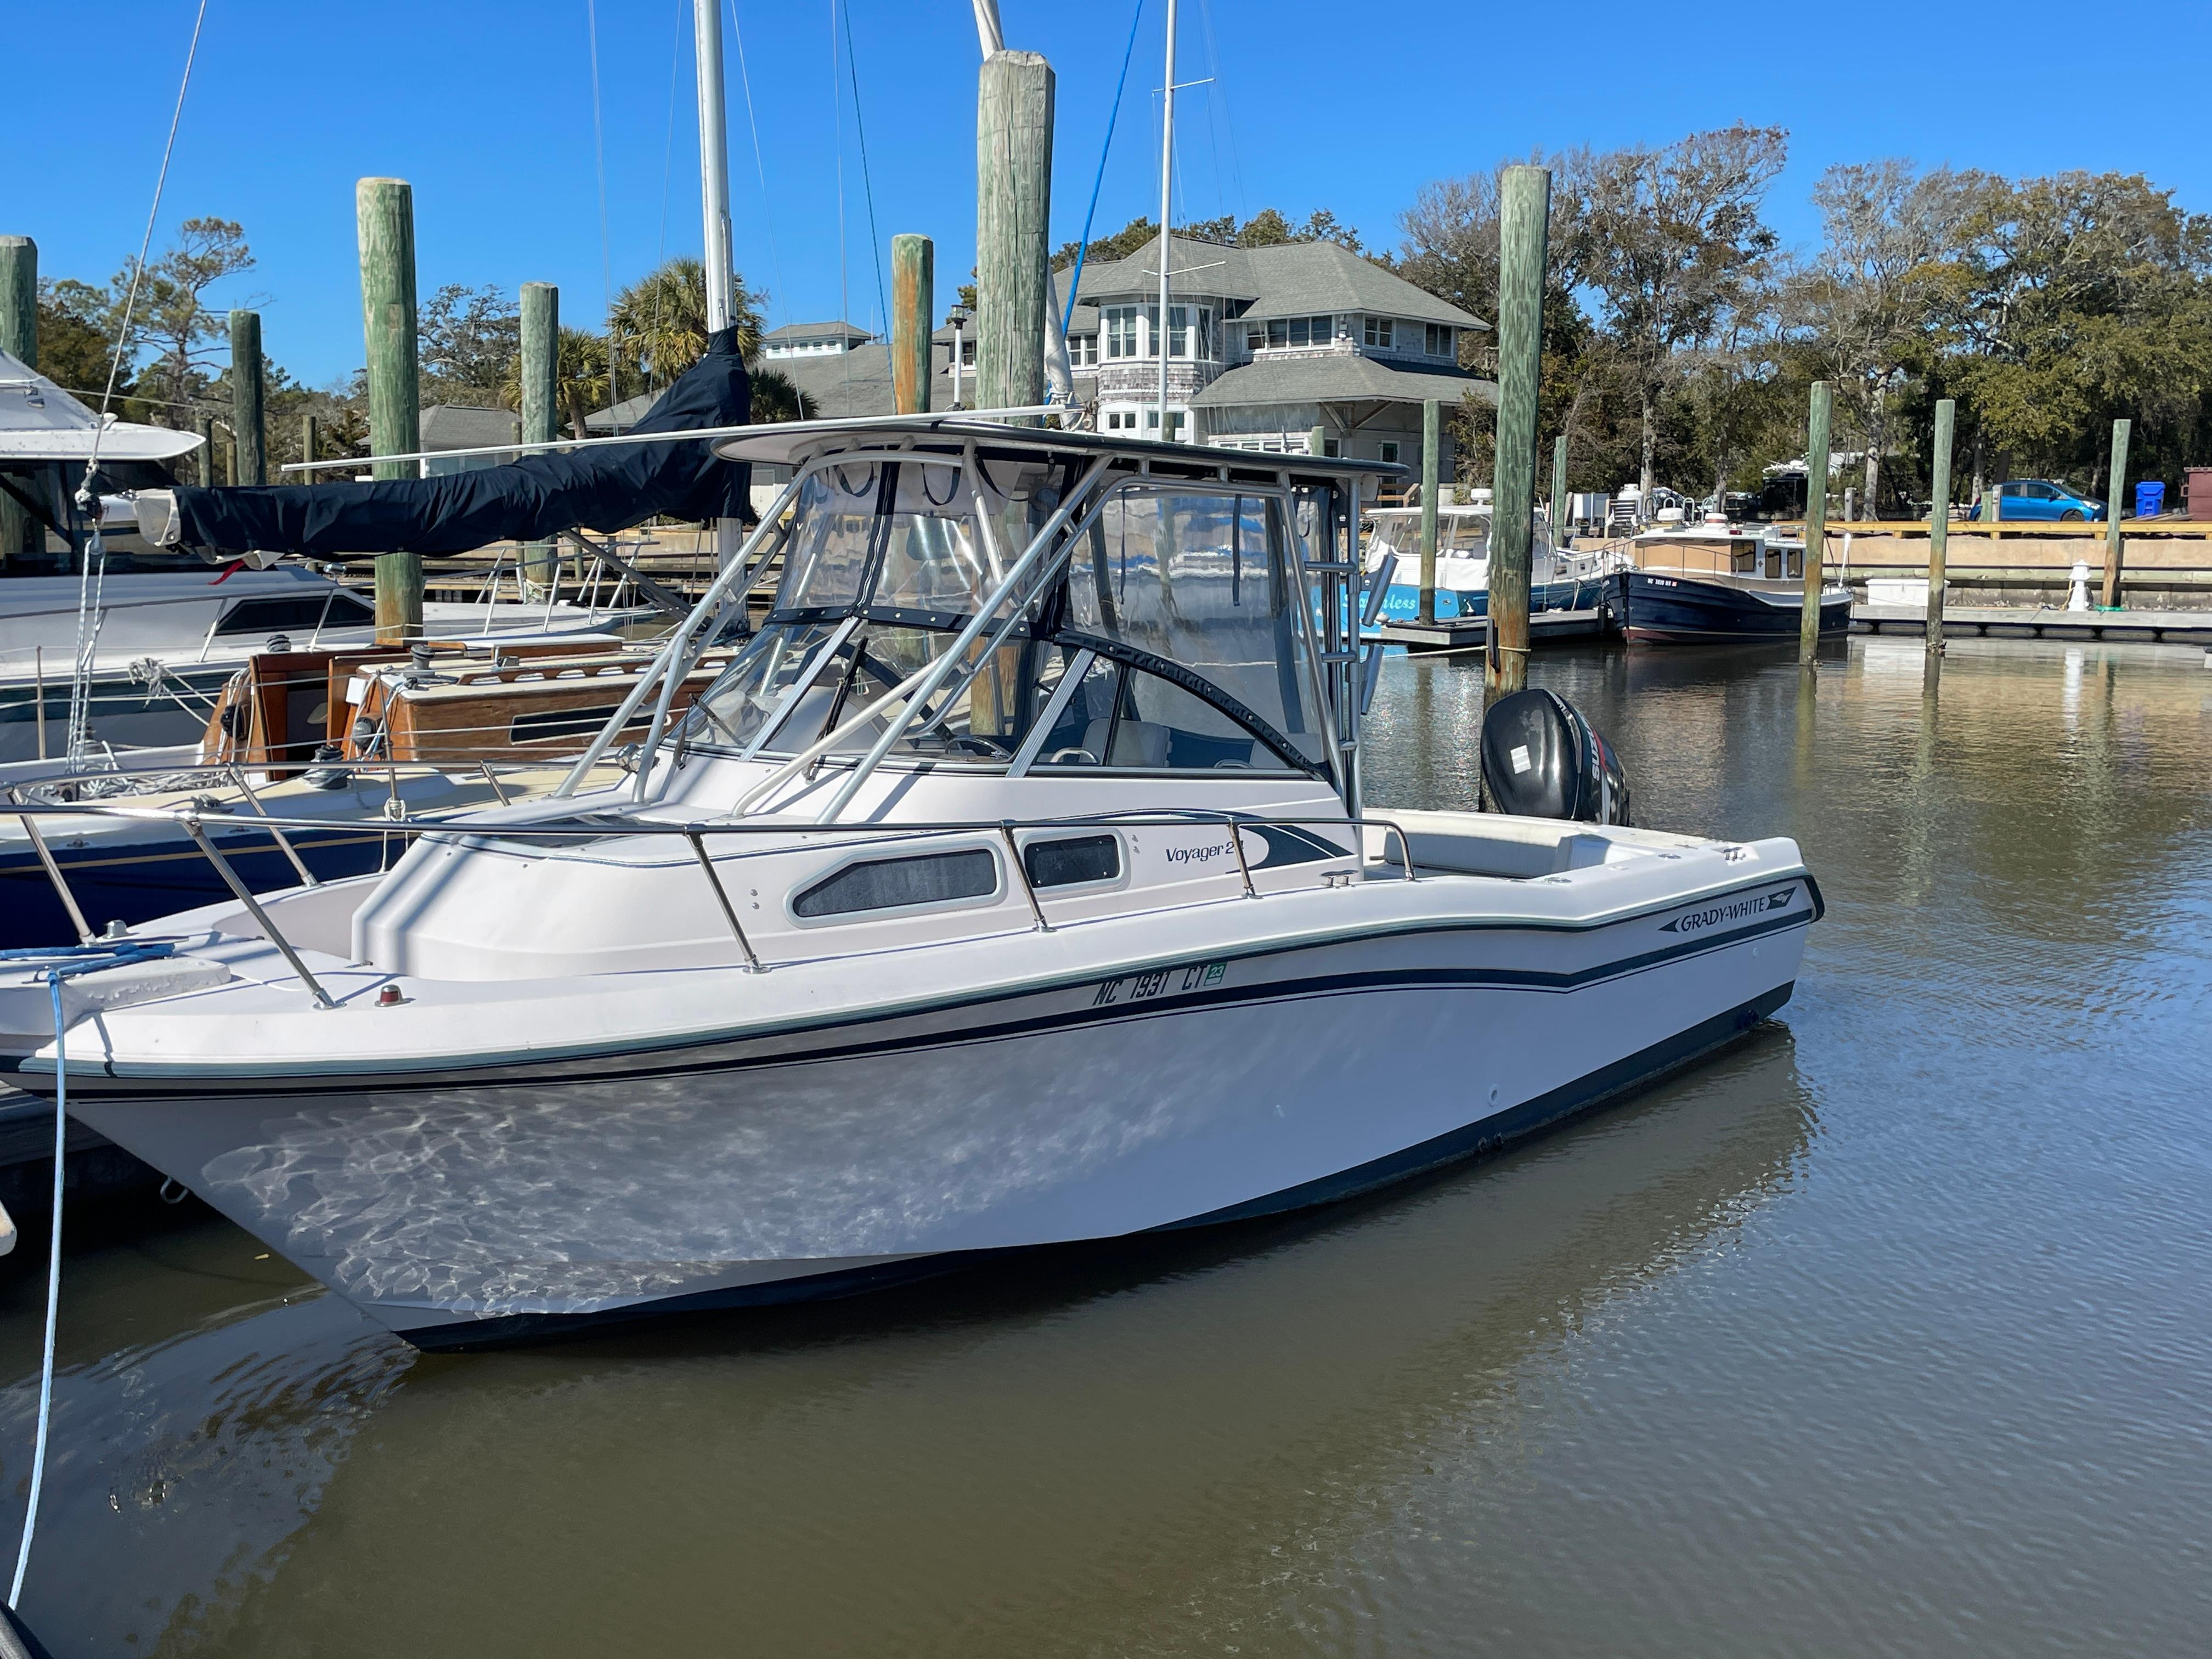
x: 53, y: 1292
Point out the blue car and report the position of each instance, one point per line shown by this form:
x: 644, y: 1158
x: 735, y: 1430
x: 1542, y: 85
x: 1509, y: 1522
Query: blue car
x: 2029, y: 501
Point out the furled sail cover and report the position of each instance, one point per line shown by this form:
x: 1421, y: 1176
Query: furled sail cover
x: 529, y: 498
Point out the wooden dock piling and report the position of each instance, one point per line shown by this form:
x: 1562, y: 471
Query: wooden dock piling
x: 2115, y: 488
x: 1816, y: 520
x: 19, y: 339
x: 913, y: 286
x: 310, y: 444
x: 1432, y: 442
x: 540, y: 347
x: 1939, y: 520
x: 1559, y: 513
x: 249, y: 437
x: 384, y: 214
x: 1524, y: 213
x: 203, y: 425
x: 1013, y: 208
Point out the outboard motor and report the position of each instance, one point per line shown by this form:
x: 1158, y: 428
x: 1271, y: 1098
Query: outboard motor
x: 1541, y: 759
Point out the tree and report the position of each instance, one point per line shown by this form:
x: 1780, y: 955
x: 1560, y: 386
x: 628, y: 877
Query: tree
x: 659, y: 323
x: 1673, y: 237
x: 2091, y: 301
x: 1889, y: 271
x: 173, y: 314
x: 73, y: 351
x: 466, y: 340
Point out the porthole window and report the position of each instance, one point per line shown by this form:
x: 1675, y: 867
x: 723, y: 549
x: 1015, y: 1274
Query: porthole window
x: 1072, y: 860
x: 900, y: 884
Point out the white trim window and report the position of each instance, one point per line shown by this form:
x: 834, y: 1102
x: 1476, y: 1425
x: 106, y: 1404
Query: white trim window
x: 1291, y: 333
x: 1378, y: 333
x: 1083, y: 351
x: 1122, y: 338
x: 1436, y: 339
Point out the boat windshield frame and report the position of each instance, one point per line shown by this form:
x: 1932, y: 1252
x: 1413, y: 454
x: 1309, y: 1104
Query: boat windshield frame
x: 1023, y: 622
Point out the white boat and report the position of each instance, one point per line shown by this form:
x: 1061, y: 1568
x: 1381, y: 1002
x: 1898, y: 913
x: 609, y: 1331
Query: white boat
x: 1011, y: 887
x: 1559, y: 579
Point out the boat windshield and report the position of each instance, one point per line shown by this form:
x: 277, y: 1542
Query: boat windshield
x: 1459, y: 535
x: 1182, y: 604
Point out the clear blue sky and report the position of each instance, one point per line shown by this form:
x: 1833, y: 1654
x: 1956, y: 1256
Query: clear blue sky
x: 486, y: 105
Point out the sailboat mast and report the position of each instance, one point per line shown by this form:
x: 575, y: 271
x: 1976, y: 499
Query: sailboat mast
x: 714, y: 208
x: 1167, y: 202
x: 714, y: 162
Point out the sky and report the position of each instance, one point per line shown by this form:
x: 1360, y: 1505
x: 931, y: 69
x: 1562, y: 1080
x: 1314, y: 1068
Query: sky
x: 492, y: 110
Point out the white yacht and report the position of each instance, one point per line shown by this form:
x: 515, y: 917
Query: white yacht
x: 1012, y: 885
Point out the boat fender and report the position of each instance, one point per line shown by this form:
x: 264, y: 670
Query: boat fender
x: 1542, y: 759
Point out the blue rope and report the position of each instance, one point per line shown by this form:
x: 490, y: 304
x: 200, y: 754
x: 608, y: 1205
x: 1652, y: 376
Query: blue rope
x: 76, y: 959
x: 1075, y: 282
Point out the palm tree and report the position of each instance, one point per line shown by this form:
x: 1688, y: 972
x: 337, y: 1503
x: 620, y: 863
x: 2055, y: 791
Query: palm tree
x: 774, y: 397
x: 580, y: 371
x: 659, y: 323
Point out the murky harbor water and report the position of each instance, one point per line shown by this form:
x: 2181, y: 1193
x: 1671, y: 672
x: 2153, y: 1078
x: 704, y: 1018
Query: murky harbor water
x: 1889, y: 1331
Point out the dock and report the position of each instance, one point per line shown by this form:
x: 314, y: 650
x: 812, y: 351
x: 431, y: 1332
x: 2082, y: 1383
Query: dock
x: 1449, y: 634
x: 2042, y: 622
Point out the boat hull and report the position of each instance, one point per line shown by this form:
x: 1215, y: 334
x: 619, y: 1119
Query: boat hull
x: 479, y: 1208
x: 1681, y: 610
x: 1402, y: 602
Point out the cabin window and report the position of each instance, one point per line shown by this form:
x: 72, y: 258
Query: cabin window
x: 1072, y: 860
x: 542, y: 724
x: 289, y: 611
x: 901, y: 883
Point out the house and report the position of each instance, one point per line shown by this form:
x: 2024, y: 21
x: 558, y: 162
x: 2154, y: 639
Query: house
x: 1268, y: 342
x: 1263, y: 345
x: 459, y: 426
x: 799, y: 340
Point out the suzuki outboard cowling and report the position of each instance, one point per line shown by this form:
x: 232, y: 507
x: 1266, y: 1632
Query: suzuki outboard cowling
x: 1541, y: 759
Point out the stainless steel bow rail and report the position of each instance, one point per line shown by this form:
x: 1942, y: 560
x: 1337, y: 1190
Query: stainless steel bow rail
x: 597, y: 827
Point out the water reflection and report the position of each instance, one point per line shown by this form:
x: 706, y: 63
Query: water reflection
x: 1884, y: 1332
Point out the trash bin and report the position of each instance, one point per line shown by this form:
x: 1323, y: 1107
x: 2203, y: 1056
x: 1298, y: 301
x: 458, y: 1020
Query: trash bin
x: 2150, y: 500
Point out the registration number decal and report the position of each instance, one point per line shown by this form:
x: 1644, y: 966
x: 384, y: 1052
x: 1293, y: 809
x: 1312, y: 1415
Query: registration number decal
x: 1159, y: 981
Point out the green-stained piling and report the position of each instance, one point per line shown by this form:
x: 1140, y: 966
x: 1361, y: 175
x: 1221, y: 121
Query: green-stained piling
x: 1431, y: 443
x: 540, y: 347
x: 249, y: 436
x: 1013, y: 208
x: 914, y: 288
x: 384, y: 213
x: 2115, y: 492
x: 1524, y: 212
x: 1939, y: 519
x: 1816, y: 520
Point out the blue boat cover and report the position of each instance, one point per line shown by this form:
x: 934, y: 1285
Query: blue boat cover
x: 528, y: 498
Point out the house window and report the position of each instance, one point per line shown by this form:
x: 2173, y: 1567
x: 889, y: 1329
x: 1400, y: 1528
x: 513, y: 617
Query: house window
x: 1389, y: 451
x: 1121, y: 331
x: 1177, y: 420
x: 1083, y: 350
x: 1190, y: 330
x: 1437, y: 339
x: 1301, y: 330
x: 966, y: 354
x: 1378, y: 332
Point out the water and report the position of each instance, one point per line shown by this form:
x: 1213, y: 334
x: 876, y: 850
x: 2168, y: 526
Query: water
x: 1886, y: 1332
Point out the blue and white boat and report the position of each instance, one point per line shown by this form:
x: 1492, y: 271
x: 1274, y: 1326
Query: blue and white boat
x: 1558, y: 578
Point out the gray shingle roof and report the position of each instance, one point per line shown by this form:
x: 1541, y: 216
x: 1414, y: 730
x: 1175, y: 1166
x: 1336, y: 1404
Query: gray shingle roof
x: 1339, y: 378
x: 459, y: 426
x: 1291, y: 280
x: 815, y: 332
